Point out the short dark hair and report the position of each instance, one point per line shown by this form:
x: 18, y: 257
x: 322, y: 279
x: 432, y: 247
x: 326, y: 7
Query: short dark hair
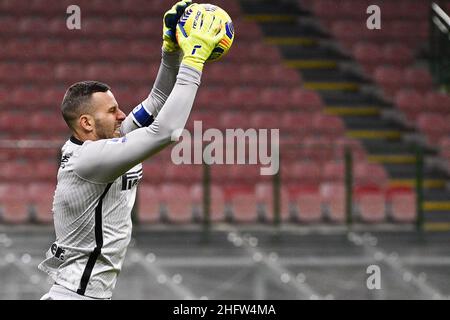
x: 77, y: 98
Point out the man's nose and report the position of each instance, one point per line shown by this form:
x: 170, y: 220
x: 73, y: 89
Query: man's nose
x: 121, y: 115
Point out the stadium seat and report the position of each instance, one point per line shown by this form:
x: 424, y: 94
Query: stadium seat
x: 217, y: 202
x: 369, y: 55
x: 317, y: 148
x: 296, y: 122
x: 265, y: 200
x: 419, y: 79
x: 148, y: 203
x: 328, y: 125
x: 437, y: 102
x: 13, y: 204
x: 176, y: 202
x: 334, y: 171
x: 307, y: 201
x: 390, y: 78
x: 41, y: 195
x: 306, y: 100
x: 333, y: 195
x: 341, y: 144
x: 369, y: 173
x: 275, y: 99
x: 402, y: 204
x: 411, y: 102
x: 308, y: 172
x: 397, y: 55
x: 433, y: 125
x: 183, y: 173
x: 213, y: 99
x: 242, y: 201
x: 15, y: 171
x: 244, y: 99
x: 371, y: 203
x: 153, y: 171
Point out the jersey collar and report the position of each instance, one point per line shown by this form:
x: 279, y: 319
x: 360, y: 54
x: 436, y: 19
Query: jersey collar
x: 76, y: 141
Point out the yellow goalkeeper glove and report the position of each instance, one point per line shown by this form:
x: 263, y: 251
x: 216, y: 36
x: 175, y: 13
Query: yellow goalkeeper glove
x: 170, y: 21
x: 205, y: 34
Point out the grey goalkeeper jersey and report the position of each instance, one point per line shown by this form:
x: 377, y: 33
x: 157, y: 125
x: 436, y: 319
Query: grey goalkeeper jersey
x: 97, y: 183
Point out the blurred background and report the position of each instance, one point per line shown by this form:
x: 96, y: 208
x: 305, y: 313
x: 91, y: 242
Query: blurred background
x: 364, y: 148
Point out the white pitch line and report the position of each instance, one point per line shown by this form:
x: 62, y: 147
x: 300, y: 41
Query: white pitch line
x: 273, y: 265
x: 369, y: 244
x: 181, y: 291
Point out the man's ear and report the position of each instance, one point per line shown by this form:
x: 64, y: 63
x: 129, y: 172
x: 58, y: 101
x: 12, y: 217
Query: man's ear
x: 86, y: 123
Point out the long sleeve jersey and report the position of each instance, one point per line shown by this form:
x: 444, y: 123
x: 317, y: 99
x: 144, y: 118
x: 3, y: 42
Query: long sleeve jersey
x: 97, y: 183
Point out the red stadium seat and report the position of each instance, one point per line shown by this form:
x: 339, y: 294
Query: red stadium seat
x: 437, y: 102
x: 214, y: 98
x: 13, y: 203
x: 353, y: 145
x: 308, y: 202
x: 11, y: 72
x: 296, y: 122
x: 306, y: 100
x: 264, y: 120
x: 302, y: 172
x: 217, y: 202
x: 317, y: 148
x: 148, y: 203
x: 275, y: 99
x: 402, y: 204
x: 328, y: 125
x: 391, y: 79
x: 419, y: 79
x: 397, y: 55
x: 184, y: 173
x: 333, y: 195
x: 371, y: 203
x: 15, y: 171
x: 242, y: 99
x: 265, y: 199
x: 153, y: 172
x: 41, y: 195
x: 411, y: 102
x: 231, y: 120
x: 433, y: 125
x: 369, y: 173
x: 242, y: 200
x: 334, y: 171
x: 369, y: 55
x: 177, y: 202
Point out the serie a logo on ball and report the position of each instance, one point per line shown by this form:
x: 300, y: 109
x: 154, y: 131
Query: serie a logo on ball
x: 224, y: 45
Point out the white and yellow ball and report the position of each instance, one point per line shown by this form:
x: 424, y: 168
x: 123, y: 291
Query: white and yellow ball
x: 224, y: 45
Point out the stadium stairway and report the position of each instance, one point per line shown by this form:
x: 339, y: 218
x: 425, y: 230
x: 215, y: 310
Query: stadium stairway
x: 347, y: 93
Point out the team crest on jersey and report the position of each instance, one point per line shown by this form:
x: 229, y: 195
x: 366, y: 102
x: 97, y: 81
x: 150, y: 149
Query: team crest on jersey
x: 57, y: 252
x: 64, y: 159
x: 130, y: 179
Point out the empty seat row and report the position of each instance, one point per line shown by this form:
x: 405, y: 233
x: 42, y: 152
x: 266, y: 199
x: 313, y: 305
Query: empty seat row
x: 393, y: 79
x: 241, y: 203
x: 94, y: 27
x: 102, y: 7
x: 409, y: 33
x: 371, y: 55
x: 356, y: 9
x: 413, y: 102
x: 208, y: 99
x: 140, y: 73
x: 144, y: 51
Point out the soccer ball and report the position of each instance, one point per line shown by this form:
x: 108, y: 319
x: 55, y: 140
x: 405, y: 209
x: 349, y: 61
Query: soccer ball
x: 224, y: 45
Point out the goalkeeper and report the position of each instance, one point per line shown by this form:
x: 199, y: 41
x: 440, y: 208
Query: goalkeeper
x: 101, y: 162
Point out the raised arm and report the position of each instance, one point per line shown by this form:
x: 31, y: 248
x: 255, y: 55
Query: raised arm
x: 103, y: 161
x: 145, y: 113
